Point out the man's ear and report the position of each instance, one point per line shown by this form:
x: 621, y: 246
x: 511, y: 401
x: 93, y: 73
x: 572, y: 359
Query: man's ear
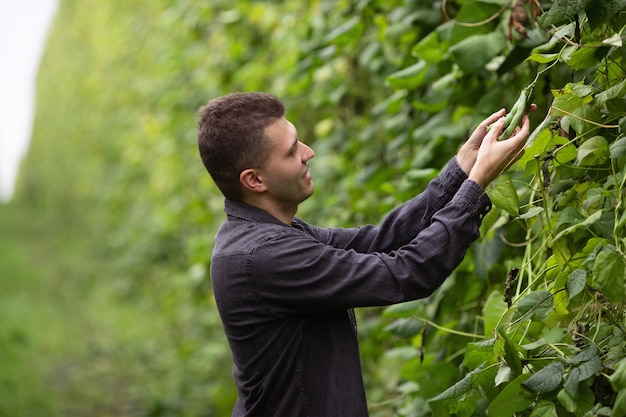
x: 250, y: 180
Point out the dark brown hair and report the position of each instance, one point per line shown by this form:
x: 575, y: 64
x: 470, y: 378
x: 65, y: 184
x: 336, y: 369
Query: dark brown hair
x: 231, y: 136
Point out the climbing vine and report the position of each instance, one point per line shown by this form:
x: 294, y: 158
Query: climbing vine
x: 548, y: 338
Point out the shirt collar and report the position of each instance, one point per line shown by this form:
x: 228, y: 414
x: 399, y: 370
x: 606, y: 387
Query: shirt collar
x: 243, y: 211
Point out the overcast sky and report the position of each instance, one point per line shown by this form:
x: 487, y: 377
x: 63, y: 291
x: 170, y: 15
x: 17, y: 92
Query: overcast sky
x: 24, y: 25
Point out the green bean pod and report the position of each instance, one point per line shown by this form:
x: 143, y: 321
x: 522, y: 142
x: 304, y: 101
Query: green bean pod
x: 512, y: 119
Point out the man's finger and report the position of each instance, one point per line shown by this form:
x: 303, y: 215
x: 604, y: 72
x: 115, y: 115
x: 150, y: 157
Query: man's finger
x: 495, y: 130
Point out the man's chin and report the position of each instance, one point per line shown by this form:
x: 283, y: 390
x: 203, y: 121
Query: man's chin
x: 310, y: 193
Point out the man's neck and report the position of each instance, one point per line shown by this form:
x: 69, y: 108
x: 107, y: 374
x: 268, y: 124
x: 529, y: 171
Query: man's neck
x: 282, y: 213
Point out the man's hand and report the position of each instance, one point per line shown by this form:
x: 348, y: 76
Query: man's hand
x: 466, y: 157
x: 495, y: 156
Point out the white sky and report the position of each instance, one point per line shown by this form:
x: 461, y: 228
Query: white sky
x: 24, y: 26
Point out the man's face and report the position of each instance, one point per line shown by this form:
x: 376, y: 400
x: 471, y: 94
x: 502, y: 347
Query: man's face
x: 287, y: 175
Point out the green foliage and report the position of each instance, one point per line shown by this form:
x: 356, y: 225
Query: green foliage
x: 531, y: 323
x: 563, y: 330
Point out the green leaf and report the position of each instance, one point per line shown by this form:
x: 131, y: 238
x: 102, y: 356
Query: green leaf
x: 615, y: 40
x: 459, y: 389
x: 410, y: 77
x: 622, y: 221
x: 478, y: 353
x: 584, y: 120
x: 402, y: 353
x: 581, y: 90
x: 618, y: 148
x: 619, y: 408
x: 407, y: 309
x: 561, y: 186
x: 493, y: 310
x: 617, y: 91
x: 568, y: 217
x: 563, y: 11
x: 609, y: 271
x: 584, y: 355
x: 504, y: 195
x: 431, y: 49
x: 568, y: 99
x: 532, y: 212
x: 594, y: 199
x: 586, y: 223
x: 599, y: 12
x: 618, y: 378
x: 405, y: 327
x: 543, y: 58
x: 421, y: 174
x: 458, y: 408
x: 582, y: 58
x: 605, y: 225
x: 349, y: 29
x: 565, y: 153
x: 536, y: 305
x: 513, y: 398
x: 445, y: 82
x: 560, y: 297
x: 433, y: 376
x: 561, y: 252
x: 529, y: 160
x: 554, y: 335
x: 577, y: 405
x: 544, y: 408
x: 545, y: 141
x: 474, y: 52
x: 488, y: 221
x: 575, y: 103
x: 594, y: 151
x: 546, y: 379
x: 576, y: 283
x: 503, y: 375
x: 454, y: 400
x: 509, y: 351
x: 581, y: 373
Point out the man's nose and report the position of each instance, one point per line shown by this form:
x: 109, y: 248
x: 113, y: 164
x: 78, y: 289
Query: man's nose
x: 308, y: 154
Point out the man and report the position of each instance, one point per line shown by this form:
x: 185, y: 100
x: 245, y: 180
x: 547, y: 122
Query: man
x: 285, y: 289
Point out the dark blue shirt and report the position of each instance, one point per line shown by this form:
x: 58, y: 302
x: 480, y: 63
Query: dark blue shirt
x: 285, y: 293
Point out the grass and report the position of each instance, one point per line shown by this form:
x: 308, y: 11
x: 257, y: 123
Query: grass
x: 30, y: 328
x: 68, y: 346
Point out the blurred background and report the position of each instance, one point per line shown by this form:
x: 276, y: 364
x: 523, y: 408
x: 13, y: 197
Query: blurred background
x: 108, y: 216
